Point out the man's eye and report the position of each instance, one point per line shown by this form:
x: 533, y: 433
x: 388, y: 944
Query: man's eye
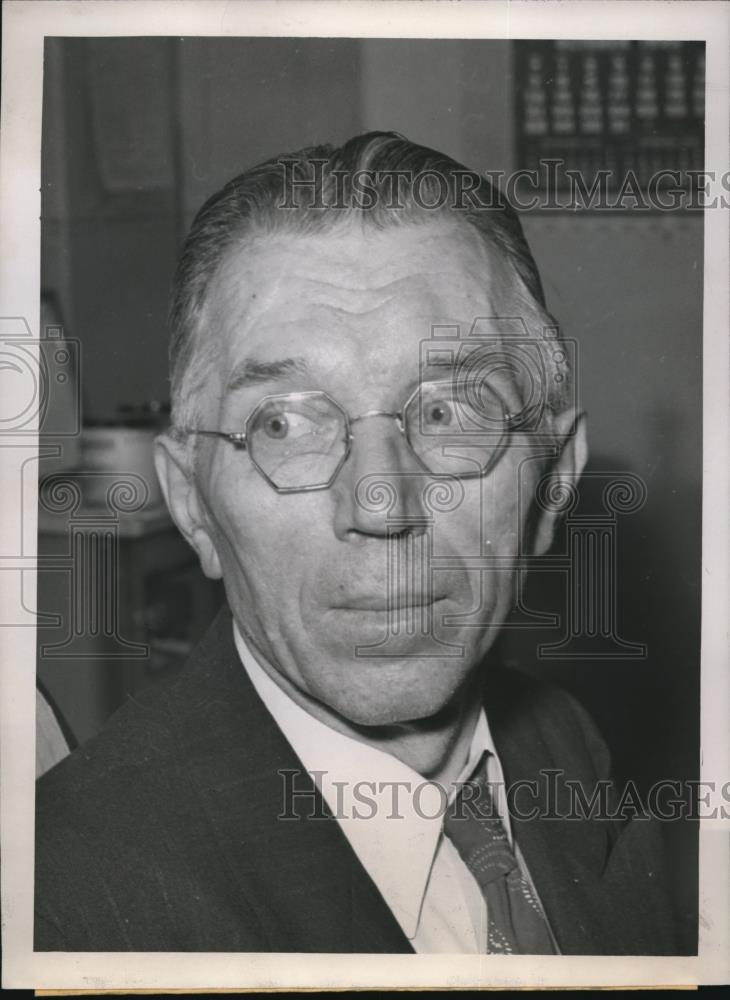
x: 290, y: 424
x: 438, y: 413
x: 276, y: 426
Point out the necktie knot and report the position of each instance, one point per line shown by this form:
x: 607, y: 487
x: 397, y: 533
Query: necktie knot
x: 474, y: 827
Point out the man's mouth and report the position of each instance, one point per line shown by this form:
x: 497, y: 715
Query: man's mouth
x: 394, y: 603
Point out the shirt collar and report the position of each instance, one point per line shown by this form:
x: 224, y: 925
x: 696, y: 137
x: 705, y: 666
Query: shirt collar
x: 390, y: 814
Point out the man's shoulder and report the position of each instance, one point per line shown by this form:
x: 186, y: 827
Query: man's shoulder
x: 126, y: 846
x: 139, y: 738
x: 534, y: 718
x: 145, y: 743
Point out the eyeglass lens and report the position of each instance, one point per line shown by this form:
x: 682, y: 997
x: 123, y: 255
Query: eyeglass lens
x: 300, y: 440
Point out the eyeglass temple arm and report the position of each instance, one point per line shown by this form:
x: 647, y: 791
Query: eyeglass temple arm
x: 237, y: 438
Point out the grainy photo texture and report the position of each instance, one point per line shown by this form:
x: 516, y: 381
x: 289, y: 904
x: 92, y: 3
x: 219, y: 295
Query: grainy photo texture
x: 369, y: 518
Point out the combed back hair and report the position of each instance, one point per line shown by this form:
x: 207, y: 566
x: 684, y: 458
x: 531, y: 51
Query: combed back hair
x: 378, y: 179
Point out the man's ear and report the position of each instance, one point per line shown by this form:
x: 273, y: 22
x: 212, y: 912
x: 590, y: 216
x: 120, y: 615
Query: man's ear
x: 570, y: 430
x: 174, y: 470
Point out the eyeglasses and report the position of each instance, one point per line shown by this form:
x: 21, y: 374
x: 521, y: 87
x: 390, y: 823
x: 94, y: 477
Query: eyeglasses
x: 299, y: 441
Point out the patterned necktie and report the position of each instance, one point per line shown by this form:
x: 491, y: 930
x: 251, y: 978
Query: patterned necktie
x: 516, y: 923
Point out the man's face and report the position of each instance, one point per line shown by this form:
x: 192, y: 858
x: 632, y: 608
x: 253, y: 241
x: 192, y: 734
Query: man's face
x: 313, y: 577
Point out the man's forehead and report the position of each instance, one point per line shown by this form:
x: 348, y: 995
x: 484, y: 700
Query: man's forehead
x: 437, y: 274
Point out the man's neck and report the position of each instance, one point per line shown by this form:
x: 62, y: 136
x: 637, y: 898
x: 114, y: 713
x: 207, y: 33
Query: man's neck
x: 436, y: 748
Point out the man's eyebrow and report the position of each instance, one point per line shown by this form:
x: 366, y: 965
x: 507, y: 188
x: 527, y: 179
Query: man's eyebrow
x: 252, y: 371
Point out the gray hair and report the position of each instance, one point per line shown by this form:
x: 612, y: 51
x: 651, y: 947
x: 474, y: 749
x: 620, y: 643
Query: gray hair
x: 379, y: 178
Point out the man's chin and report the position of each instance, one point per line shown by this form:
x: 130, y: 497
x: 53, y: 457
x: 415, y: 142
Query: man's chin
x: 389, y: 691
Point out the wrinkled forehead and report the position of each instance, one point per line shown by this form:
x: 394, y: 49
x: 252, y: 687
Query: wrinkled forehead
x: 435, y: 272
x: 365, y: 312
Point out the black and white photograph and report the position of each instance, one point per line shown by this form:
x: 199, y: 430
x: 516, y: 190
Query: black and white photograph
x: 365, y: 419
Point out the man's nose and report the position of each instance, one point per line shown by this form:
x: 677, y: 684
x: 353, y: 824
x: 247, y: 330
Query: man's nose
x: 380, y: 487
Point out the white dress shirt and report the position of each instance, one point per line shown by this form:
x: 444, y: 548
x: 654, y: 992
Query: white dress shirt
x: 392, y: 818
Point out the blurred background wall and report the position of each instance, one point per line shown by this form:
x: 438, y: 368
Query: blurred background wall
x: 138, y: 132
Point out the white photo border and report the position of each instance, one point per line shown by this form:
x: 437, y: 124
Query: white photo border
x: 27, y: 23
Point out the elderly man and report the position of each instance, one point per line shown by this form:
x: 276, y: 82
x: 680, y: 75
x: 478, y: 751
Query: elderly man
x: 364, y: 403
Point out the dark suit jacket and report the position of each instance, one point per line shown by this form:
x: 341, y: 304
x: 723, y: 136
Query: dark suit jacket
x: 161, y: 833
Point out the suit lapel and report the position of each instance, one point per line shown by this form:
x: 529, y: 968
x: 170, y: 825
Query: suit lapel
x: 293, y: 871
x: 565, y: 857
x: 600, y: 881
